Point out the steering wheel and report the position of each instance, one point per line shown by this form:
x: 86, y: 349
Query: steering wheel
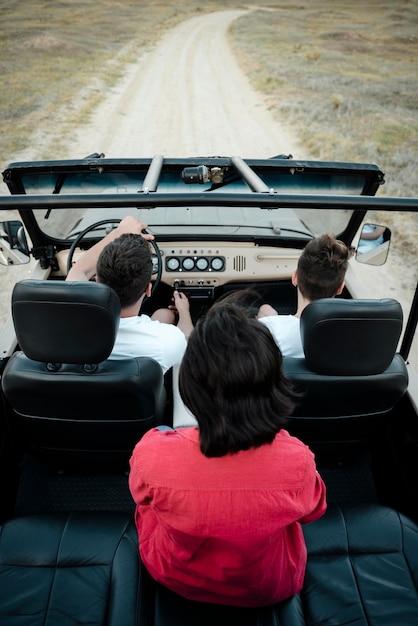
x: 157, y: 261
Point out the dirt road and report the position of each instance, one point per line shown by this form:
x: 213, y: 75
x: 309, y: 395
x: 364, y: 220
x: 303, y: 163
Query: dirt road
x: 185, y: 97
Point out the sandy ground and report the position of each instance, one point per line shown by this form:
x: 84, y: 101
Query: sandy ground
x: 186, y: 97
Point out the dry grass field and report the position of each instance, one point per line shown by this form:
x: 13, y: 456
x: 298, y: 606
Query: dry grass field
x: 345, y: 74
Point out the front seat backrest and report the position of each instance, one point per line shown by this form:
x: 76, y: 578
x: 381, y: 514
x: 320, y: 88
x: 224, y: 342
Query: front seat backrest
x: 351, y: 375
x: 350, y: 337
x: 67, y: 401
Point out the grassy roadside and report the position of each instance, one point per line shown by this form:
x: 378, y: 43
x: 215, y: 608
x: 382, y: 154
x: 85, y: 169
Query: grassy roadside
x: 345, y: 75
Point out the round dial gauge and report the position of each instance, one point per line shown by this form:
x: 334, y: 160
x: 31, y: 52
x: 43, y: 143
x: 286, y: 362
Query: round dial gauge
x: 202, y: 263
x: 188, y: 263
x: 173, y: 263
x: 217, y: 263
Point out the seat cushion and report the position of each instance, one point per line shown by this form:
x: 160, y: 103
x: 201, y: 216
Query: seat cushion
x: 362, y: 571
x: 374, y: 555
x: 71, y: 568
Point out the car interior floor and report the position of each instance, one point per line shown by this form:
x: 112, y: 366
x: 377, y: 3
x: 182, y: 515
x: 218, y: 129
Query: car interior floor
x: 43, y: 489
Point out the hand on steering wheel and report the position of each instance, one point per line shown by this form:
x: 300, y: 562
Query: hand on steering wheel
x: 157, y: 262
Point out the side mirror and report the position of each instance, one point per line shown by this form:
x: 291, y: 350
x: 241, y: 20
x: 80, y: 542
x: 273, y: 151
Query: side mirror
x: 373, y: 245
x: 14, y: 248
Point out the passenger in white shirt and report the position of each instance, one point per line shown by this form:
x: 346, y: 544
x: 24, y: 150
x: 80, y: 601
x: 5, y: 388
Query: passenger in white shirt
x: 320, y: 273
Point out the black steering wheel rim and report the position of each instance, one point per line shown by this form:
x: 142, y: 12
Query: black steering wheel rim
x: 95, y: 225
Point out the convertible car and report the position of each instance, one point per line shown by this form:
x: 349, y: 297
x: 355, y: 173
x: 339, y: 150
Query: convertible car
x: 70, y: 417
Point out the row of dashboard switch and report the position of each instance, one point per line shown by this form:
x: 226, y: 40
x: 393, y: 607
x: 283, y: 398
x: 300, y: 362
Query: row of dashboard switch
x: 195, y: 264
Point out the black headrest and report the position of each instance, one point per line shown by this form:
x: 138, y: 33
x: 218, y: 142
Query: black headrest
x: 65, y: 322
x: 350, y: 337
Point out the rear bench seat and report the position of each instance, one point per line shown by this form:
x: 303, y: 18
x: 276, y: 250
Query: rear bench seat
x: 64, y: 569
x: 362, y: 570
x: 83, y: 568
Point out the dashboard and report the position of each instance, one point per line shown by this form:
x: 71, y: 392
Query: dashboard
x: 204, y: 270
x: 211, y: 264
x: 214, y: 264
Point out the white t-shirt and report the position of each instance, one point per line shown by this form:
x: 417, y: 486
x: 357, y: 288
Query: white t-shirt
x: 139, y: 335
x: 286, y: 332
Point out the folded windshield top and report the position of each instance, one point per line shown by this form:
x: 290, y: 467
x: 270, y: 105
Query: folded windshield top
x: 229, y: 174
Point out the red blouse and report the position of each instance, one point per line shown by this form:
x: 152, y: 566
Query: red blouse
x: 225, y: 530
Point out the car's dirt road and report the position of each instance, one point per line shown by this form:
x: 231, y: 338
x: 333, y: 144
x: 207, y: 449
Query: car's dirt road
x: 186, y: 97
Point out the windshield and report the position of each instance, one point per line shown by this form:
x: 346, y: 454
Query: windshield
x: 219, y: 221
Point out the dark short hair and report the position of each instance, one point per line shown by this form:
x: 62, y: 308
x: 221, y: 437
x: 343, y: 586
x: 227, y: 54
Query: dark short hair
x: 125, y: 265
x: 232, y: 381
x: 322, y: 267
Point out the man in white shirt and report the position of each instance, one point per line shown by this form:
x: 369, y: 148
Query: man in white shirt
x: 122, y: 260
x: 320, y: 273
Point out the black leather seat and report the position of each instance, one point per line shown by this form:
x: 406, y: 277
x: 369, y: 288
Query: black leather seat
x: 9, y: 473
x: 66, y: 401
x: 70, y: 568
x: 83, y: 568
x: 351, y: 376
x: 362, y: 571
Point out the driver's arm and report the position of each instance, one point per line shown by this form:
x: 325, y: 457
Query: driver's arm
x: 374, y: 234
x: 85, y: 268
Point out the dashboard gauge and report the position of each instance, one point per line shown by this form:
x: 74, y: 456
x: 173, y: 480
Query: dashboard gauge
x: 173, y: 263
x: 188, y: 263
x: 202, y: 263
x: 217, y: 263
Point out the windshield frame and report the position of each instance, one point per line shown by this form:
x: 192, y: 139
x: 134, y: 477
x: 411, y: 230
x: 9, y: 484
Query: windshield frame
x: 211, y: 182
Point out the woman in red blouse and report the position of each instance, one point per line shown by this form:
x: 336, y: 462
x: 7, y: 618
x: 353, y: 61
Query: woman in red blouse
x: 219, y: 508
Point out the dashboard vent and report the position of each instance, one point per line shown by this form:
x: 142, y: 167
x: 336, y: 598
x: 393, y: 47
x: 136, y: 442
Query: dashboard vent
x: 239, y: 263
